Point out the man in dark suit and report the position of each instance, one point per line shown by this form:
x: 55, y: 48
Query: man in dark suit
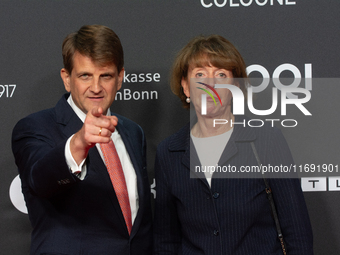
x: 83, y: 198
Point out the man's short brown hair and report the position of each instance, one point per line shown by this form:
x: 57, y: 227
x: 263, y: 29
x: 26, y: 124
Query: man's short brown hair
x: 97, y: 42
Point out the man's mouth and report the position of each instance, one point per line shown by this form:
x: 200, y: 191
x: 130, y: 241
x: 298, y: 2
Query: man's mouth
x: 96, y: 98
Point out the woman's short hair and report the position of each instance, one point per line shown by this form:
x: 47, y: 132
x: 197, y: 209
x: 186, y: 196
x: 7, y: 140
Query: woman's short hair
x: 97, y: 42
x: 205, y: 51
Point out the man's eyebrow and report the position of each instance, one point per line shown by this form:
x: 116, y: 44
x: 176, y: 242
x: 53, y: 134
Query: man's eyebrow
x: 82, y: 73
x: 113, y: 73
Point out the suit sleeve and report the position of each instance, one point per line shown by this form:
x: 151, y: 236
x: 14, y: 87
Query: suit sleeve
x: 289, y: 200
x: 40, y: 158
x: 167, y: 232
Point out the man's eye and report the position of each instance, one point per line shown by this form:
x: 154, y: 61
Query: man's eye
x: 84, y: 76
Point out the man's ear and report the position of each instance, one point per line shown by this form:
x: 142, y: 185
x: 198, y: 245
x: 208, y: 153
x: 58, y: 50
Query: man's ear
x: 120, y: 78
x: 185, y: 86
x: 66, y: 79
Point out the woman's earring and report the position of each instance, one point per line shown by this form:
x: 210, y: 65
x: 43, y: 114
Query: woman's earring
x: 187, y: 100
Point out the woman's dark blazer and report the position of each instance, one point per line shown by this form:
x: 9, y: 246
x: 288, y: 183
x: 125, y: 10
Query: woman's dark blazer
x: 233, y: 216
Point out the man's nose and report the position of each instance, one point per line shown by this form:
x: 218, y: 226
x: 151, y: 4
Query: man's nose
x: 95, y: 86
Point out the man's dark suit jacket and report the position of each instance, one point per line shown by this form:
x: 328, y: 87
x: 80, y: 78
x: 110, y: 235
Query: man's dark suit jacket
x: 70, y: 216
x: 232, y: 217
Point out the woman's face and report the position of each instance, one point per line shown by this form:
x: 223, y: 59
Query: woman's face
x: 203, y: 79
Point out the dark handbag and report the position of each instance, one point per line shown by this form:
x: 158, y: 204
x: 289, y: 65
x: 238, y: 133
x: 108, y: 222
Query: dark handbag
x: 271, y: 202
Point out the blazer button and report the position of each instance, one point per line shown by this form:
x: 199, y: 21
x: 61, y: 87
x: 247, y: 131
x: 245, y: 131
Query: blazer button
x: 216, y: 195
x: 216, y: 233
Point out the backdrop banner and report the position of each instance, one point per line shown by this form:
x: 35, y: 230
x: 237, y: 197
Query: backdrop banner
x: 296, y: 39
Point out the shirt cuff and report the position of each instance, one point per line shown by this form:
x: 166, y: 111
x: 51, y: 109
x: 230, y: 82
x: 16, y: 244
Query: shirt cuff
x: 77, y: 170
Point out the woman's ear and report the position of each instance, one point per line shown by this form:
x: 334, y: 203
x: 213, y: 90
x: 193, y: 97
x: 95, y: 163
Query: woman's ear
x: 185, y: 86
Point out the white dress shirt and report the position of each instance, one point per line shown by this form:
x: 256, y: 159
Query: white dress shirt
x: 129, y: 171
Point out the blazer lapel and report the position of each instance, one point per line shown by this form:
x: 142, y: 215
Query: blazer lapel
x: 66, y: 117
x: 138, y: 167
x: 183, y: 142
x: 240, y: 134
x: 96, y: 164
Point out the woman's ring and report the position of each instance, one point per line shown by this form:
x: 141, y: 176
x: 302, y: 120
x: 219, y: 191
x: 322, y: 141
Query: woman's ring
x: 100, y: 131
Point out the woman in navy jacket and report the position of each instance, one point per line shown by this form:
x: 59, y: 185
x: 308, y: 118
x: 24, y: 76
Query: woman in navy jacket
x: 201, y: 208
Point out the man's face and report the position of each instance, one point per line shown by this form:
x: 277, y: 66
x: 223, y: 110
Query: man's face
x: 90, y: 84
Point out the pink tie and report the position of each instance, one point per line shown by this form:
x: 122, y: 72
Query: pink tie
x: 115, y: 170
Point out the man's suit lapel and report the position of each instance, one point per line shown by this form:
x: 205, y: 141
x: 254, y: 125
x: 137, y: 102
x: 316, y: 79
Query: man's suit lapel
x: 138, y: 166
x: 66, y: 117
x: 96, y: 164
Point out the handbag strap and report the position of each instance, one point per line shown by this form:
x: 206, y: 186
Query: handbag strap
x: 271, y: 202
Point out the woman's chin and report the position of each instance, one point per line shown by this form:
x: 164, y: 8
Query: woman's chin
x: 212, y: 115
